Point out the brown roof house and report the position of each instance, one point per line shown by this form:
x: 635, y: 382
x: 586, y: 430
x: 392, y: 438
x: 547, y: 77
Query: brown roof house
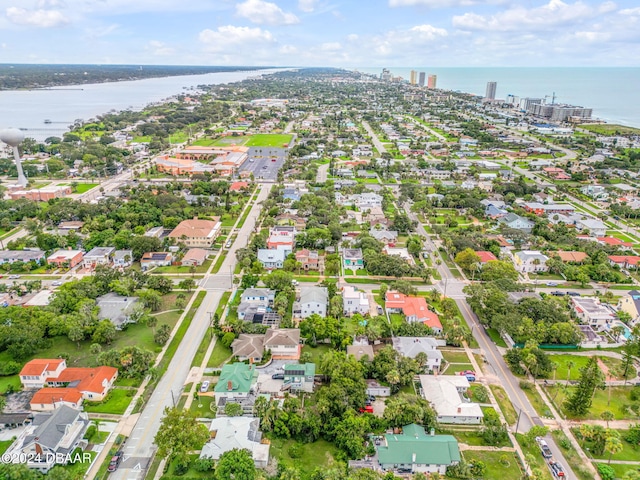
x: 197, y: 233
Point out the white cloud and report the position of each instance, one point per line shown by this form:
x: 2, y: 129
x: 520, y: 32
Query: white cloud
x: 440, y: 3
x: 159, y: 48
x: 229, y: 37
x: 518, y: 18
x: 261, y: 12
x: 352, y: 37
x: 36, y: 18
x: 307, y: 5
x: 331, y: 47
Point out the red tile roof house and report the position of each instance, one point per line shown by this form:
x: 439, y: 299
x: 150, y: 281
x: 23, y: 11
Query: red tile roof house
x: 68, y: 257
x: 486, y: 256
x: 624, y: 261
x: 61, y: 385
x: 614, y: 242
x: 415, y: 309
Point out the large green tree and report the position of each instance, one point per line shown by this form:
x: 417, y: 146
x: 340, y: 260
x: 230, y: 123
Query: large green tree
x: 180, y: 433
x: 236, y: 464
x: 581, y: 399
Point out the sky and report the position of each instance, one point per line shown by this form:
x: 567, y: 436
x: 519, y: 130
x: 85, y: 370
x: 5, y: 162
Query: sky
x: 349, y: 34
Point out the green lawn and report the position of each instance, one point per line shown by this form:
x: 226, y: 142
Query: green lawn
x: 619, y: 405
x: 537, y: 402
x: 458, y: 367
x: 4, y: 445
x: 562, y: 372
x: 505, y: 404
x: 629, y: 452
x: 500, y: 465
x: 458, y: 356
x: 232, y: 140
x: 268, y: 140
x: 316, y: 354
x: 13, y: 380
x: 84, y: 187
x: 142, y: 139
x: 319, y: 454
x: 117, y: 402
x: 610, y: 129
x: 219, y: 355
x: 473, y: 437
x: 203, y: 411
x: 495, y: 336
x: 619, y: 469
x: 190, y: 474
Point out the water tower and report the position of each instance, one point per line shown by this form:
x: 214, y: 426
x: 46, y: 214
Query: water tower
x: 14, y: 137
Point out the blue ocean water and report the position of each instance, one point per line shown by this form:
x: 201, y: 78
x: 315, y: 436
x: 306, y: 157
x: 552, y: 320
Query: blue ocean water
x: 613, y: 93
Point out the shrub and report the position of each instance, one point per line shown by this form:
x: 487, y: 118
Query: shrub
x: 203, y: 465
x: 295, y: 450
x: 481, y: 394
x: 91, y: 431
x: 606, y: 472
x: 525, y: 385
x: 9, y: 368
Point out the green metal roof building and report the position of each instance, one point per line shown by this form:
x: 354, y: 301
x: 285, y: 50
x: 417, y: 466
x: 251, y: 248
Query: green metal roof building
x: 236, y: 380
x: 415, y: 450
x: 299, y: 377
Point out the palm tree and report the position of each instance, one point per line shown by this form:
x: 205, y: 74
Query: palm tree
x: 570, y: 365
x: 607, y: 416
x: 613, y: 445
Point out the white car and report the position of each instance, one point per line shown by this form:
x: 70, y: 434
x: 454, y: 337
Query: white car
x: 205, y: 386
x: 14, y: 277
x: 57, y: 283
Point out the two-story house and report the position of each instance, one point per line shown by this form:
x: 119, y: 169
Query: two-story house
x: 354, y: 301
x: 313, y: 300
x: 197, y: 232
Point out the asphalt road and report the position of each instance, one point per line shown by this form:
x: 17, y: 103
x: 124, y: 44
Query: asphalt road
x: 264, y: 162
x: 139, y: 448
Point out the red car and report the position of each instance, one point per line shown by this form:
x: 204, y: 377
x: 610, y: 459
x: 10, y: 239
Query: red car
x: 367, y: 409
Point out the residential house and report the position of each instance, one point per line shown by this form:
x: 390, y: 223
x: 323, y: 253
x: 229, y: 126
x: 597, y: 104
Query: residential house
x: 530, y: 261
x: 50, y: 439
x: 116, y: 308
x: 415, y: 309
x: 291, y: 194
x: 255, y: 306
x: 376, y: 216
x: 376, y: 389
x: 197, y: 232
x: 122, y: 258
x: 401, y: 252
x: 258, y: 295
x: 65, y: 258
x: 447, y: 394
x: 313, y: 300
x: 10, y: 256
x: 248, y: 346
x: 630, y: 303
x: 389, y: 237
x: 367, y: 200
x: 596, y: 192
x: 412, y: 346
x: 513, y: 220
x: 595, y: 227
x: 549, y: 209
x: 237, y: 381
x: 299, y: 377
x: 485, y: 256
x: 614, y: 242
x: 59, y: 385
x: 241, y: 433
x: 352, y: 259
x: 416, y: 451
x: 97, y: 256
x: 493, y: 212
x: 155, y: 259
x: 361, y: 348
x: 310, y: 260
x: 195, y: 257
x: 591, y: 312
x: 625, y: 261
x: 354, y: 301
x: 272, y: 259
x: 64, y: 228
x: 570, y: 257
x: 284, y: 343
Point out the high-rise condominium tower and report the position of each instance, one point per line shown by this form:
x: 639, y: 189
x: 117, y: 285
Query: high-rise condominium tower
x: 491, y: 91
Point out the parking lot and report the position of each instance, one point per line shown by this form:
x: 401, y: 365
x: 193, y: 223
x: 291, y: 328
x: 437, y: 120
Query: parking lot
x: 264, y: 162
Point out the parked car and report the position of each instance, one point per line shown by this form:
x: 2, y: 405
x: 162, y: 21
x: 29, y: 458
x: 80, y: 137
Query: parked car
x: 367, y: 409
x: 573, y: 294
x: 558, y: 293
x: 557, y: 469
x: 544, y: 448
x: 551, y: 284
x: 205, y: 386
x: 56, y: 283
x: 14, y: 277
x: 115, y: 461
x: 278, y: 376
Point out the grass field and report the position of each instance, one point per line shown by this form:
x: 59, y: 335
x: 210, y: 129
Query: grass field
x: 458, y: 356
x: 537, y: 402
x: 619, y: 469
x: 117, y: 402
x: 317, y: 455
x: 495, y: 336
x: 505, y: 404
x: 562, y: 372
x: 611, y: 129
x: 619, y: 404
x: 228, y: 141
x: 219, y: 355
x: 84, y: 187
x: 4, y: 445
x: 500, y: 465
x: 183, y: 269
x: 203, y: 411
x: 316, y: 354
x: 628, y: 453
x: 268, y: 140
